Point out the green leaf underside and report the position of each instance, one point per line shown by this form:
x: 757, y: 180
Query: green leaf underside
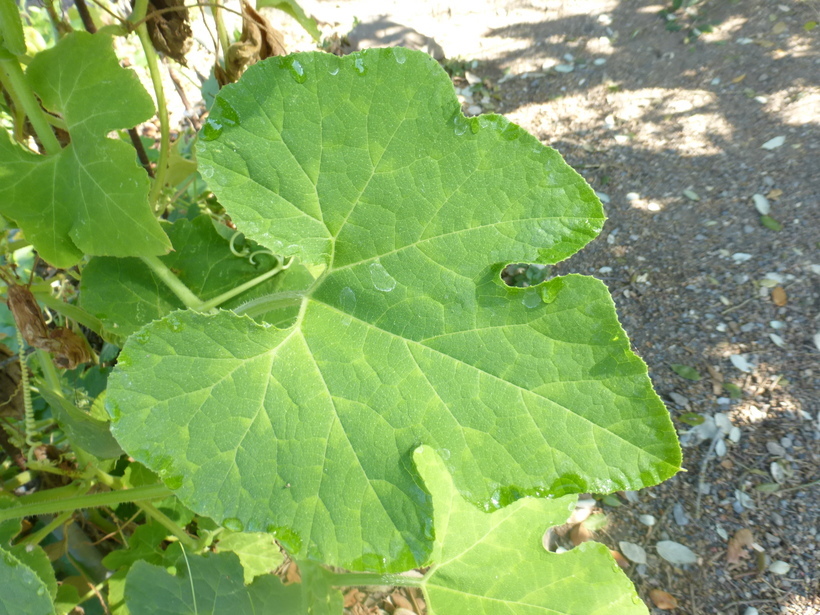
x: 90, y: 198
x: 495, y: 563
x: 257, y: 552
x: 212, y: 586
x: 125, y: 294
x: 409, y: 338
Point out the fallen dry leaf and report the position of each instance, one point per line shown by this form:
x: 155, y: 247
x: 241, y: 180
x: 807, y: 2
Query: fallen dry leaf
x: 580, y: 533
x: 736, y: 549
x: 352, y: 597
x: 663, y: 600
x: 400, y: 601
x: 739, y: 79
x: 779, y: 296
x: 717, y: 379
x: 620, y: 559
x: 774, y: 194
x: 293, y: 575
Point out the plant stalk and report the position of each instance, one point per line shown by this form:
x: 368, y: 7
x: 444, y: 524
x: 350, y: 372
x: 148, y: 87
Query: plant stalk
x: 358, y: 579
x: 140, y: 10
x: 183, y: 293
x: 109, y: 498
x: 216, y: 301
x: 157, y: 515
x: 14, y: 81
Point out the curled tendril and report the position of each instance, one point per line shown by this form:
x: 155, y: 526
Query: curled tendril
x: 258, y: 252
x: 244, y: 252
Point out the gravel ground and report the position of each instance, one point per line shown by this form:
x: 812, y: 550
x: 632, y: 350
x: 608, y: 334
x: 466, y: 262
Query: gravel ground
x: 689, y: 141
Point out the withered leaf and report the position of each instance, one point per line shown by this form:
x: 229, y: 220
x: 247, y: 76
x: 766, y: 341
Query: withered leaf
x: 737, y: 546
x: 779, y: 296
x: 68, y: 348
x: 663, y: 600
x: 259, y: 40
x: 169, y: 30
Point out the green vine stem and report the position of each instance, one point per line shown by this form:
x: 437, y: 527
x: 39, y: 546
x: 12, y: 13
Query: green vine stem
x: 216, y: 301
x: 39, y: 535
x: 140, y: 10
x: 183, y: 293
x: 14, y: 82
x: 108, y: 498
x: 75, y: 313
x: 157, y: 515
x: 260, y: 305
x: 221, y: 32
x: 359, y: 579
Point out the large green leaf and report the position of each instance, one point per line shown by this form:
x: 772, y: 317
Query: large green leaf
x: 495, y: 563
x: 24, y: 592
x: 124, y: 294
x: 91, y: 197
x: 410, y: 337
x: 213, y: 585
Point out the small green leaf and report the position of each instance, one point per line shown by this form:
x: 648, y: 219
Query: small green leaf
x: 24, y: 592
x: 771, y: 223
x: 691, y: 195
x: 768, y: 487
x: 91, y: 197
x: 691, y: 418
x: 485, y: 560
x: 258, y: 552
x: 11, y: 28
x: 809, y: 26
x: 143, y: 544
x: 612, y: 500
x: 684, y: 371
x: 292, y: 8
x: 735, y: 392
x: 596, y: 521
x: 91, y: 435
x: 210, y: 584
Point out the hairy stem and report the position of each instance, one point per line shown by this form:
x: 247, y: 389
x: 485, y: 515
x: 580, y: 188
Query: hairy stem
x: 108, y: 498
x: 212, y: 303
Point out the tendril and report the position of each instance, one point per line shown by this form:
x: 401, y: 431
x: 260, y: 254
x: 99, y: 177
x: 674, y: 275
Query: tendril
x: 244, y: 252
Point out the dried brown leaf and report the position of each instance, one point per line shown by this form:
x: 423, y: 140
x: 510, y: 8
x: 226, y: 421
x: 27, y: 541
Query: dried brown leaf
x: 400, y: 601
x: 663, y: 600
x: 293, y: 575
x: 717, y: 379
x: 620, y: 559
x: 580, y: 533
x: 352, y: 597
x: 738, y: 543
x: 169, y: 30
x: 774, y: 194
x: 779, y: 296
x: 259, y: 40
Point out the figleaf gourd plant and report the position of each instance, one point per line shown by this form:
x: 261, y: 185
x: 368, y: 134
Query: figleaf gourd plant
x: 365, y: 389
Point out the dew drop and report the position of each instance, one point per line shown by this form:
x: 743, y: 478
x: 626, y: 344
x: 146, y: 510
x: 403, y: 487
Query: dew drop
x: 294, y: 67
x: 347, y: 300
x: 114, y: 410
x: 531, y: 299
x: 173, y: 482
x: 211, y: 130
x: 227, y: 113
x: 205, y: 170
x: 334, y: 70
x: 41, y: 591
x: 460, y: 126
x: 400, y: 53
x: 475, y: 124
x: 382, y: 280
x: 359, y: 65
x: 445, y: 454
x: 233, y: 524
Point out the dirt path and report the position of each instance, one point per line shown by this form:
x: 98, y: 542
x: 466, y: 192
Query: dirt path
x: 672, y: 133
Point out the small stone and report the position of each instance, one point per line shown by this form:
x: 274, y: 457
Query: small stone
x: 681, y: 518
x: 474, y: 110
x: 679, y: 399
x: 775, y: 449
x: 599, y: 61
x: 648, y: 520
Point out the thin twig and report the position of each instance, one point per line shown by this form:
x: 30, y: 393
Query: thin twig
x: 85, y: 15
x: 703, y: 465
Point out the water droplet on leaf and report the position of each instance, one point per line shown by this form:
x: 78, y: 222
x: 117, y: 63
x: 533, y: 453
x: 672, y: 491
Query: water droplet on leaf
x: 400, y: 53
x: 347, y: 300
x: 294, y: 67
x: 173, y: 482
x: 531, y: 299
x: 334, y: 70
x: 211, y: 130
x: 233, y: 524
x: 359, y: 65
x: 382, y: 280
x: 227, y: 113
